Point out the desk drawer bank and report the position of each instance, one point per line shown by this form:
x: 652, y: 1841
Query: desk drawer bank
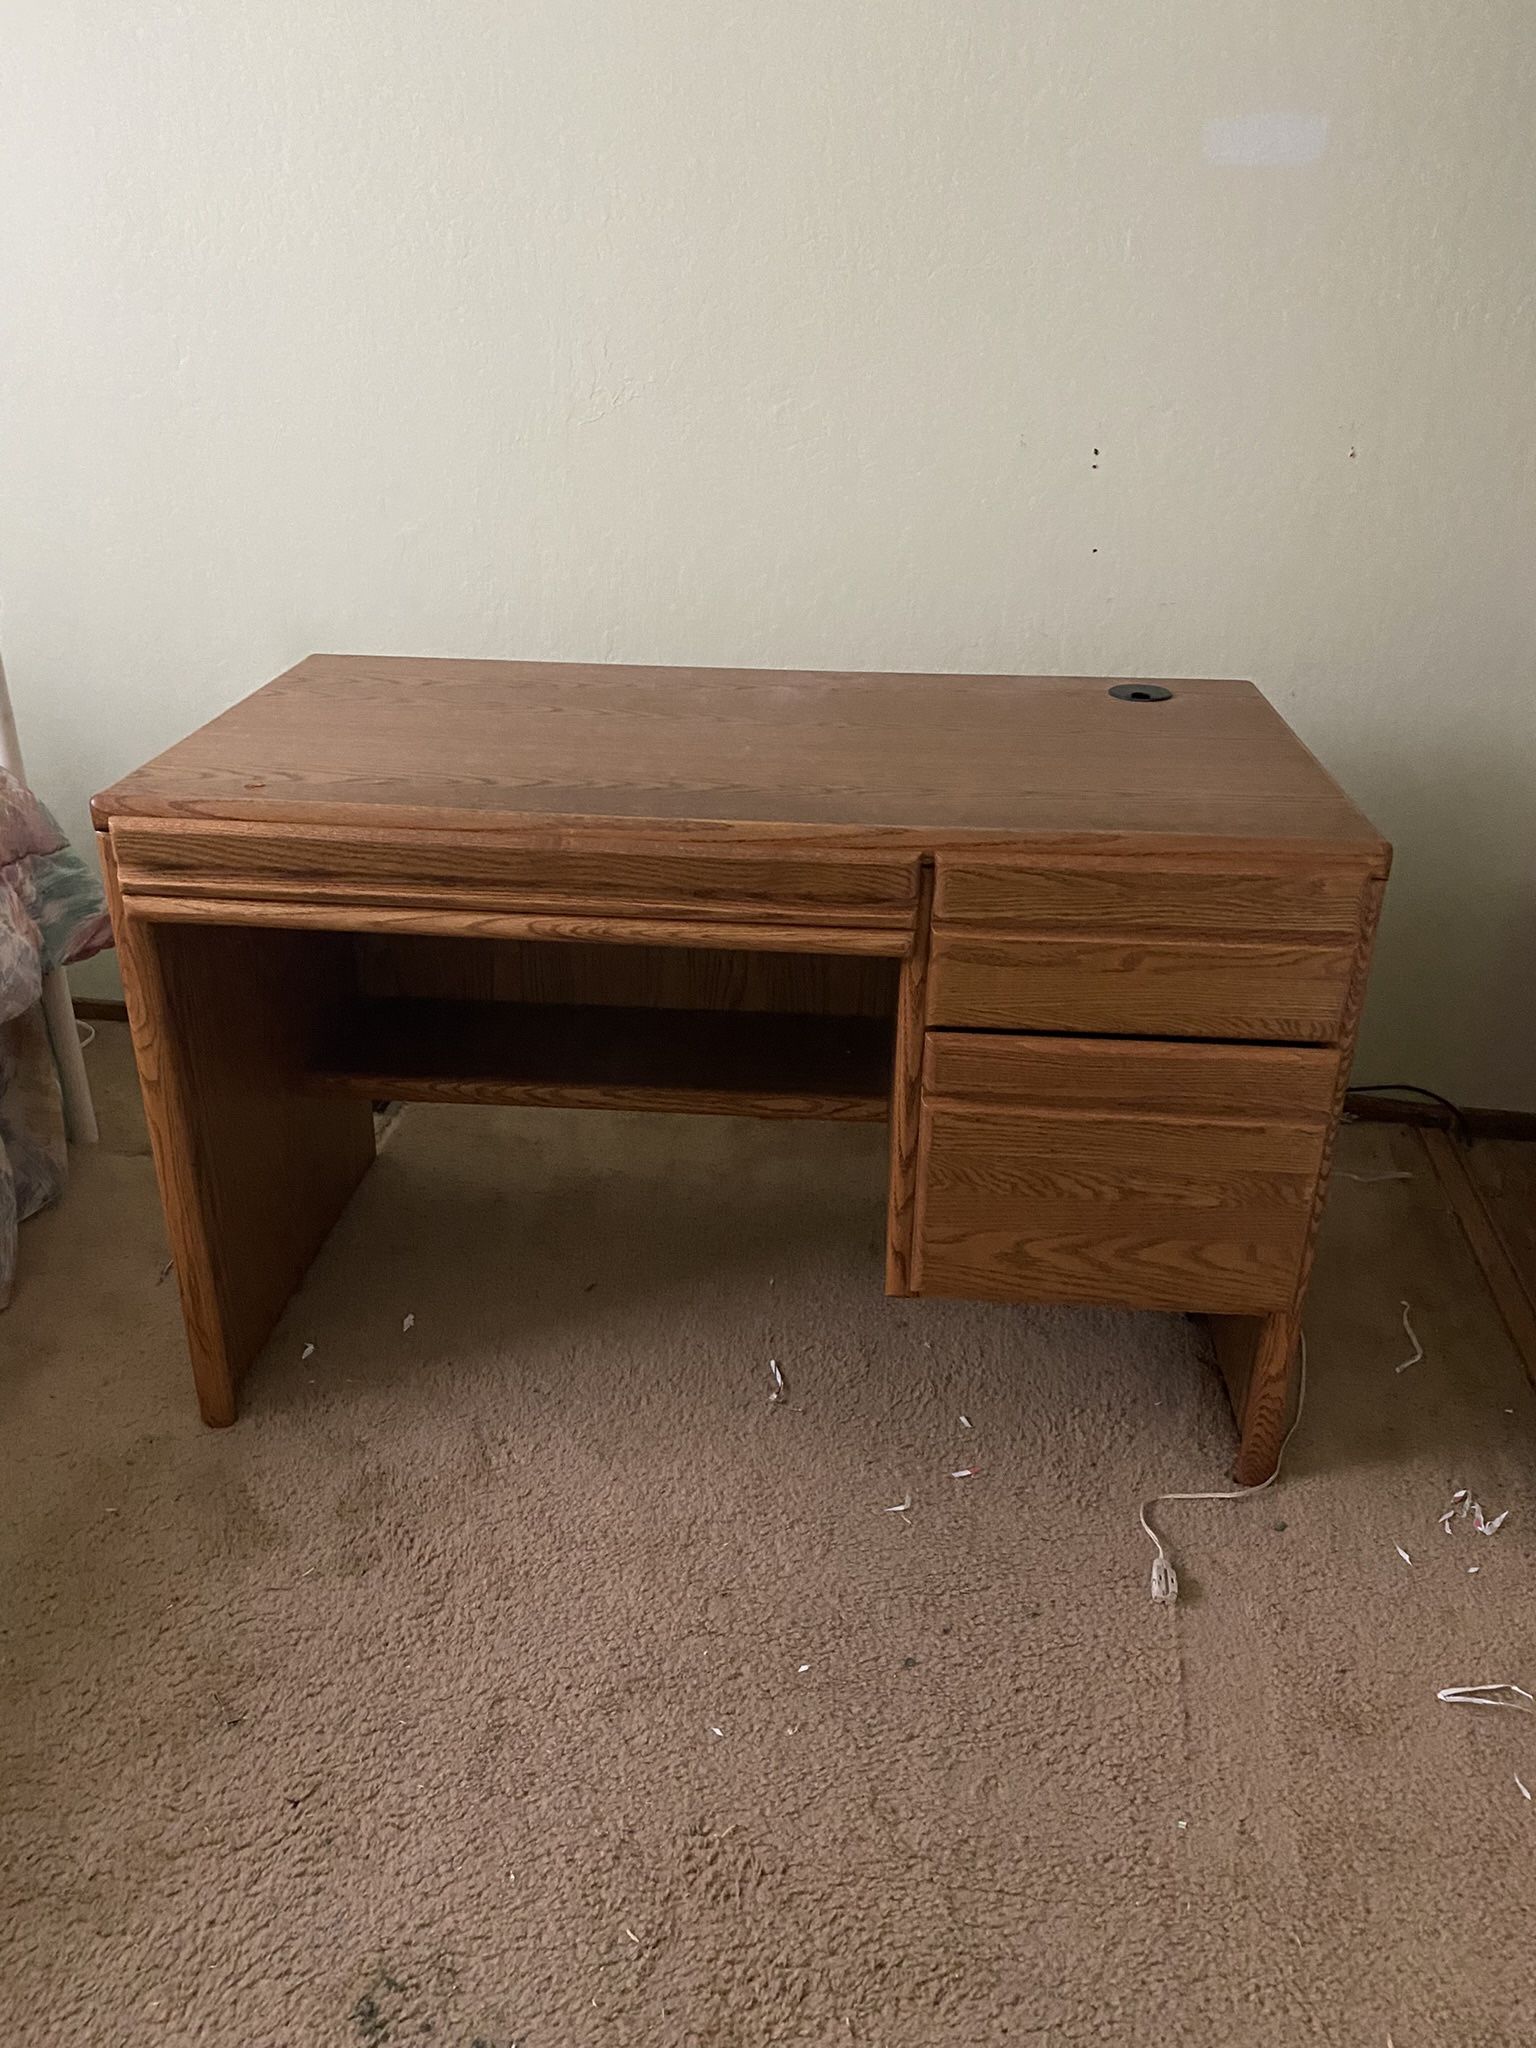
x: 1097, y: 952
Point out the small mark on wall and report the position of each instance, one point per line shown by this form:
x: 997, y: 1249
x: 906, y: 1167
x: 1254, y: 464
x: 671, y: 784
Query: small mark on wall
x: 1266, y: 141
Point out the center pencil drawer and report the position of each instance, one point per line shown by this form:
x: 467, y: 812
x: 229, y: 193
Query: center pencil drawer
x: 486, y: 871
x: 1079, y: 1170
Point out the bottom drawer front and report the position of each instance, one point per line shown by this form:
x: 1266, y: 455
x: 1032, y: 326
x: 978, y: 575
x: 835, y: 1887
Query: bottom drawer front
x: 1139, y: 1210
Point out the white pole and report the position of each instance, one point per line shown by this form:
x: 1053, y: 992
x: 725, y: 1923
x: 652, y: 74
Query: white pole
x: 58, y: 1010
x: 10, y: 739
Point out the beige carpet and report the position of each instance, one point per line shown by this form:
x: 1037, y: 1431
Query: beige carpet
x: 456, y: 1696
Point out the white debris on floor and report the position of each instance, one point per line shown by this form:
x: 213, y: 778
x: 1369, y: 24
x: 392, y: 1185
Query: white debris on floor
x: 1515, y: 1697
x: 1464, y: 1508
x: 1417, y: 1353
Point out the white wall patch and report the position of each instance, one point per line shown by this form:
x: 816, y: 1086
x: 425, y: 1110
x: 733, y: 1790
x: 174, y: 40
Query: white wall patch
x: 1273, y: 141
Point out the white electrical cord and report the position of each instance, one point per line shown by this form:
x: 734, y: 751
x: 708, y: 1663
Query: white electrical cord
x: 1165, y: 1580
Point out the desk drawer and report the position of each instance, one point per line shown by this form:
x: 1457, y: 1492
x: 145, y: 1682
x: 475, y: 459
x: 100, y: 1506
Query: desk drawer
x: 1161, y: 987
x: 1108, y: 893
x: 1155, y: 1176
x: 1197, y: 948
x: 479, y: 871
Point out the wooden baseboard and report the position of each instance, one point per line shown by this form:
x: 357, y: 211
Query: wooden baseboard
x: 101, y: 1009
x: 1408, y: 1109
x: 1500, y: 1123
x: 1397, y: 1109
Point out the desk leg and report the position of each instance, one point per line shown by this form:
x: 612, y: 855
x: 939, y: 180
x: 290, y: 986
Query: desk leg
x: 907, y: 1097
x: 253, y: 1171
x: 1257, y: 1356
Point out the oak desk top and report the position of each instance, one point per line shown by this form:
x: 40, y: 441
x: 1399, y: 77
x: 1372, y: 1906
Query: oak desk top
x: 404, y: 743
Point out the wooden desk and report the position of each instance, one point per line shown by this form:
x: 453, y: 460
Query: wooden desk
x: 1099, y: 959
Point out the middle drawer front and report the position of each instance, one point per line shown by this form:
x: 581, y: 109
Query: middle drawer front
x: 1153, y: 1176
x: 1284, y: 991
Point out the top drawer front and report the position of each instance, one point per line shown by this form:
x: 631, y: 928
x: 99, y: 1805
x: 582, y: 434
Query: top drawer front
x: 253, y: 862
x: 1144, y: 947
x: 1111, y: 893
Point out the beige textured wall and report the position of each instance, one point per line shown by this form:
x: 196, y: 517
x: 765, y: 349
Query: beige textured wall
x: 785, y: 332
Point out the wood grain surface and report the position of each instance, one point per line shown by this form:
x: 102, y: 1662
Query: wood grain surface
x: 713, y: 1063
x: 1144, y: 1211
x: 393, y: 742
x: 765, y: 936
x: 1193, y: 895
x: 1258, y: 1356
x: 631, y: 977
x: 1292, y: 1084
x: 1146, y: 987
x: 189, y: 856
x: 906, y: 1101
x: 1103, y: 961
x: 253, y: 1170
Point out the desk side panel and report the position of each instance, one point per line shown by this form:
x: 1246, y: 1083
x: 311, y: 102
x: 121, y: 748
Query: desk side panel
x: 253, y: 1169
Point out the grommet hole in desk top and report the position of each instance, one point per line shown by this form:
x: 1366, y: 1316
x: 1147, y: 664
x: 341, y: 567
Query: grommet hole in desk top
x: 1139, y: 693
